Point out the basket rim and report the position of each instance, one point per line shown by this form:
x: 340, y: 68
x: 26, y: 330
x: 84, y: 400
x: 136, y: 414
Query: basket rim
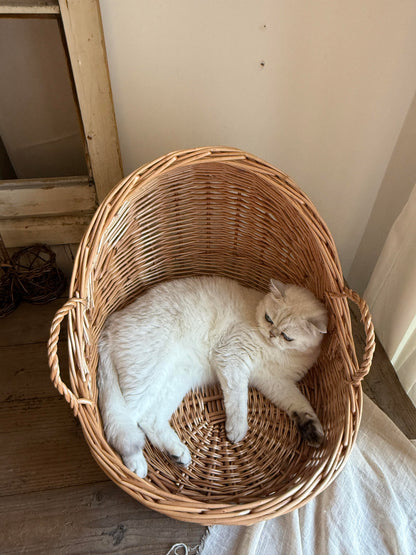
x: 189, y: 157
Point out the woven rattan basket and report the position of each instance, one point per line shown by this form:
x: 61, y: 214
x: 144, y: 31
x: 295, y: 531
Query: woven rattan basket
x: 216, y: 211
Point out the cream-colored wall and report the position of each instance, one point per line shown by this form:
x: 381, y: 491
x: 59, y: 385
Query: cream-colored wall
x: 321, y: 89
x: 397, y: 184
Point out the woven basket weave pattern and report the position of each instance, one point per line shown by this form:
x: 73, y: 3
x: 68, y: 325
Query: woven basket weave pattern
x: 216, y: 211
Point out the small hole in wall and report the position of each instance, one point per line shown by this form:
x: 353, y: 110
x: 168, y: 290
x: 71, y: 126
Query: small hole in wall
x: 262, y: 64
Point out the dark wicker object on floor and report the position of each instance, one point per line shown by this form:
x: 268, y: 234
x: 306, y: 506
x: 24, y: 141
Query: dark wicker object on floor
x: 9, y: 287
x: 39, y: 278
x: 9, y: 291
x: 30, y: 274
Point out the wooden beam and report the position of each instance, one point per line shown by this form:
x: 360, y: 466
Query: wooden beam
x: 29, y: 7
x: 85, y: 41
x: 46, y: 197
x: 52, y: 230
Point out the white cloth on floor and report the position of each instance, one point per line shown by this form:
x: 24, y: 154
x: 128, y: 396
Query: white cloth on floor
x: 369, y: 508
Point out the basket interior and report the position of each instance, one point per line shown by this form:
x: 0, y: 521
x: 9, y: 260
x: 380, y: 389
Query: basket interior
x: 217, y: 217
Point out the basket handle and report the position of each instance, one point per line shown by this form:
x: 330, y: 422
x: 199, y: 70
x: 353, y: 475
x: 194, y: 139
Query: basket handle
x: 64, y: 390
x: 370, y: 343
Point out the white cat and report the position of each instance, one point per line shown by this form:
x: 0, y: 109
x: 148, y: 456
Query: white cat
x: 190, y: 332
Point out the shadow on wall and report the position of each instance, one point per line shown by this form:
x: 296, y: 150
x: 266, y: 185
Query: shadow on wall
x: 398, y: 182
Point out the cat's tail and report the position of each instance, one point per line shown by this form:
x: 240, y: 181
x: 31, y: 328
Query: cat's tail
x: 120, y: 428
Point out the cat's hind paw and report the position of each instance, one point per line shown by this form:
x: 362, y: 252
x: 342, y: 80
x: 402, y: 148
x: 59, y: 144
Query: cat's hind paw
x: 137, y: 464
x: 181, y: 456
x: 236, y: 431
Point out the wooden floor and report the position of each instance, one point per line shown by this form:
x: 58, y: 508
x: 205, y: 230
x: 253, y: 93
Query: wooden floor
x: 53, y: 496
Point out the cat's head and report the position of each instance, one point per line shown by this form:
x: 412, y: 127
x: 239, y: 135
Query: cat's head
x: 290, y: 317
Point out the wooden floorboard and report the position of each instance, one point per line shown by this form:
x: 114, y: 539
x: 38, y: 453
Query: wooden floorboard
x: 53, y: 496
x: 43, y: 447
x: 25, y: 372
x: 98, y: 518
x: 28, y: 323
x: 382, y: 384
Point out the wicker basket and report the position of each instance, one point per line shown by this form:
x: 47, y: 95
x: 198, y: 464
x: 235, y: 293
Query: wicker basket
x: 216, y: 211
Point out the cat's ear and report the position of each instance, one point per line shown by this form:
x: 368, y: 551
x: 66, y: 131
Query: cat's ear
x: 319, y: 323
x: 277, y: 288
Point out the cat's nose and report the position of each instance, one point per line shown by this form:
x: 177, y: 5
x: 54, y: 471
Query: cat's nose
x: 273, y: 332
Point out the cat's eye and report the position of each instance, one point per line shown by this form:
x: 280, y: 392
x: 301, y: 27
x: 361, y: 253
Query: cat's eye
x: 268, y: 319
x: 286, y: 337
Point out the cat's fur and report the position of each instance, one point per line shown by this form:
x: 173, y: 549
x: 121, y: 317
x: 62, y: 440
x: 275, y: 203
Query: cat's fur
x: 190, y: 332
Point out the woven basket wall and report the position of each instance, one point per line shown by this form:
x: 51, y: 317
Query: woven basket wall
x: 216, y: 211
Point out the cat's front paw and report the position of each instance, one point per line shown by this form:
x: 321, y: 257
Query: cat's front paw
x: 236, y: 430
x: 137, y: 464
x: 310, y: 430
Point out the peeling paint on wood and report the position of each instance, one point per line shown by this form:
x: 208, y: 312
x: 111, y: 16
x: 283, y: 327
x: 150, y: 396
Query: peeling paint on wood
x: 52, y: 230
x: 46, y: 197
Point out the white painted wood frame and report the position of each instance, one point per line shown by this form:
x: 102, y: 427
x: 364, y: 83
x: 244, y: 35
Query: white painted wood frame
x: 85, y: 40
x: 20, y: 198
